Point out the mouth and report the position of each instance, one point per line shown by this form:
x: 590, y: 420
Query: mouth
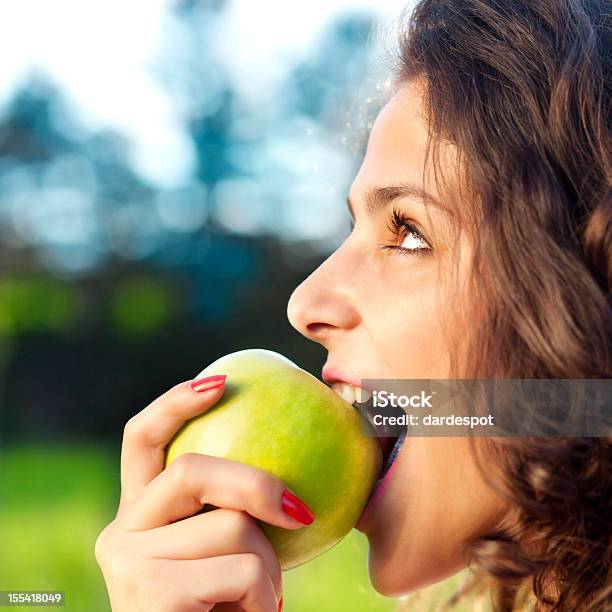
x: 360, y: 399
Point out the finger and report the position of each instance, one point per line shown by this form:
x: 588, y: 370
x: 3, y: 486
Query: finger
x: 238, y: 578
x: 147, y: 433
x: 213, y: 534
x: 193, y: 480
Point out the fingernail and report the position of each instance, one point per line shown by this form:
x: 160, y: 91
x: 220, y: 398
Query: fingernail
x: 208, y: 383
x: 295, y: 508
x: 280, y: 605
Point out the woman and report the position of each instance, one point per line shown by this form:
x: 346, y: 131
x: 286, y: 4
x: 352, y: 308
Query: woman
x: 481, y: 248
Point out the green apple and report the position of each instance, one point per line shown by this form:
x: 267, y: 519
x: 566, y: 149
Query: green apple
x: 278, y: 417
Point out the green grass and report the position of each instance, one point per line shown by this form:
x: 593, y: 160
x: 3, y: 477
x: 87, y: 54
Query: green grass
x: 57, y: 498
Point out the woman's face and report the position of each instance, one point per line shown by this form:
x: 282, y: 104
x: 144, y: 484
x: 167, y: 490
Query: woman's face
x: 377, y: 306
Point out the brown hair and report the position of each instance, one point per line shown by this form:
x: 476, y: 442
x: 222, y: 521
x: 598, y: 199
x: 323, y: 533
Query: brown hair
x: 523, y: 91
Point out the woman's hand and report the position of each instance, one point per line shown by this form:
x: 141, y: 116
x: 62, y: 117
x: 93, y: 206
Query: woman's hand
x: 157, y: 554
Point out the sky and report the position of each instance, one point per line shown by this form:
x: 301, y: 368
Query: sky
x: 90, y: 51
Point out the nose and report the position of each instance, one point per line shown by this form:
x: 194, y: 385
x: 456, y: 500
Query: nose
x: 324, y: 305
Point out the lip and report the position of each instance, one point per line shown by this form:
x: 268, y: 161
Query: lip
x: 378, y: 491
x: 382, y: 483
x: 331, y: 374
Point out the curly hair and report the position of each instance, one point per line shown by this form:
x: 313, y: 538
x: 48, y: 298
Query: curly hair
x: 522, y: 89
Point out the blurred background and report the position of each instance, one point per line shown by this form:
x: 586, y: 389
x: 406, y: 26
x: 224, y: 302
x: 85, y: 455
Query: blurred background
x: 169, y: 172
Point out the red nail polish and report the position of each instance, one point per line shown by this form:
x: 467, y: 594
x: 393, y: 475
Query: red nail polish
x: 296, y: 508
x: 208, y: 383
x: 280, y: 605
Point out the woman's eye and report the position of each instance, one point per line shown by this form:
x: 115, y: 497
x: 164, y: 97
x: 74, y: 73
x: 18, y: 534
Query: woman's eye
x: 408, y: 239
x: 414, y: 241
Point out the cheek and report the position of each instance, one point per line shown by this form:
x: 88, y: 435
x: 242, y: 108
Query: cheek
x: 436, y: 502
x: 410, y: 334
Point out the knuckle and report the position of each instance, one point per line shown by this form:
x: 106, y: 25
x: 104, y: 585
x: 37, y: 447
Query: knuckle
x: 132, y: 577
x: 133, y: 428
x: 262, y: 487
x: 253, y: 568
x: 239, y: 525
x: 102, y: 544
x: 184, y: 466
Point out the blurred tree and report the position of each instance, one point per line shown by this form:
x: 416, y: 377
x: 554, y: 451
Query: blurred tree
x: 116, y: 287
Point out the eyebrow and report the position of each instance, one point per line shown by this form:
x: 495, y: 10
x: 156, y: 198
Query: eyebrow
x: 377, y: 198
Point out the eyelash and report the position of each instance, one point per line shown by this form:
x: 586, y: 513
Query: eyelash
x: 400, y: 226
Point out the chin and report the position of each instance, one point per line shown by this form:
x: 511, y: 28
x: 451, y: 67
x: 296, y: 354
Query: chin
x: 389, y: 583
x: 400, y: 572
